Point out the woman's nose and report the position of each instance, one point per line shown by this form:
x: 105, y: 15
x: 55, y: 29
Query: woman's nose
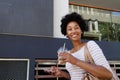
x: 73, y: 30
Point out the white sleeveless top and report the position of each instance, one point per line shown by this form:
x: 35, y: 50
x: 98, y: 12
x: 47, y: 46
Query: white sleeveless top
x: 76, y: 72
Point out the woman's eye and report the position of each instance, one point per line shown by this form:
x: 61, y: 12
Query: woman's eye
x: 77, y: 28
x: 69, y: 29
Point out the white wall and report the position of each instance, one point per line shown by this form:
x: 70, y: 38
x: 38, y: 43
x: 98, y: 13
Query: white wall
x: 61, y: 8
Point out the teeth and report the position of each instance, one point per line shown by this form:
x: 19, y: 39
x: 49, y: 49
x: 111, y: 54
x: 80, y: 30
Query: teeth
x: 74, y: 35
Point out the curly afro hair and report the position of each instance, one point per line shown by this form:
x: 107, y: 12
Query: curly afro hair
x: 72, y: 17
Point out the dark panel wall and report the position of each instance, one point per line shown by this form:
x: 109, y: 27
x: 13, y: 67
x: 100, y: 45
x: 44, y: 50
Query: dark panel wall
x: 32, y: 17
x: 46, y: 47
x: 31, y: 47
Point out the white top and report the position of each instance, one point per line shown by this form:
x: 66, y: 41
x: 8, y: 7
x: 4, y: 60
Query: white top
x: 76, y: 72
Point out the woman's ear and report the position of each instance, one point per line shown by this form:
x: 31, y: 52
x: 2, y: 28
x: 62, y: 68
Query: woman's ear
x: 82, y: 32
x: 67, y: 36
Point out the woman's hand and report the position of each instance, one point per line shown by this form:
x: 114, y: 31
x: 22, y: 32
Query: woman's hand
x: 67, y: 57
x: 53, y: 71
x: 57, y: 72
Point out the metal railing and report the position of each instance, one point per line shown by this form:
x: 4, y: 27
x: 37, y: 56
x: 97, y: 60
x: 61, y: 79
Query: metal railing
x: 46, y: 64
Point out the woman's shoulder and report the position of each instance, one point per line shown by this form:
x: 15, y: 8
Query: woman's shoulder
x: 91, y: 43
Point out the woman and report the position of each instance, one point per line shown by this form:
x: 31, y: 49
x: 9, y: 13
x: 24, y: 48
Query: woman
x: 73, y: 27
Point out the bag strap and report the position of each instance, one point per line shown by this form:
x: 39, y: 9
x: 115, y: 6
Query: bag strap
x: 88, y: 57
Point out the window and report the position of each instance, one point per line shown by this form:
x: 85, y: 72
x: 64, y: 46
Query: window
x: 102, y: 24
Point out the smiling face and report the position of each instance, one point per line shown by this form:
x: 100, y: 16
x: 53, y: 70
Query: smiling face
x: 73, y: 31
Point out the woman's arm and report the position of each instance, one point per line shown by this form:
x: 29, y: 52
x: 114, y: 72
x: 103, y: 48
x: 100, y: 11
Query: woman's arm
x: 96, y: 70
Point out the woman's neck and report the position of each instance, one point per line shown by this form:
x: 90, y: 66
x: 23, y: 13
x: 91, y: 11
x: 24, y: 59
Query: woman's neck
x: 77, y: 45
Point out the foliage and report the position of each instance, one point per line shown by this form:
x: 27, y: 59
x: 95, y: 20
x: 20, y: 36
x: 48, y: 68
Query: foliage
x: 110, y: 31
